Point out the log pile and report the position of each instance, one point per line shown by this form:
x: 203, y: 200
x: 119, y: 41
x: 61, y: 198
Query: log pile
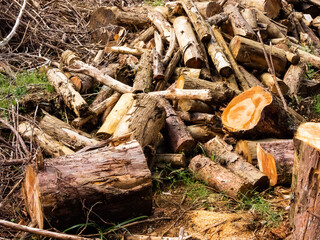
x: 215, y: 75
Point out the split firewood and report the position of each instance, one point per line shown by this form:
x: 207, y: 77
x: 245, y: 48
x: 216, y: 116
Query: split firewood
x: 242, y: 81
x: 67, y: 135
x: 119, y: 110
x: 275, y: 159
x: 178, y: 160
x: 145, y: 36
x: 239, y: 24
x: 270, y: 7
x: 189, y: 94
x: 199, y: 117
x: 188, y: 43
x: 219, y: 177
x: 103, y: 175
x: 124, y: 50
x: 268, y: 80
x: 180, y: 139
x: 194, y: 106
x: 49, y: 145
x: 144, y: 119
x: 304, y: 209
x: 197, y: 20
x: 224, y: 154
x: 294, y: 77
x: 161, y: 24
x: 201, y: 132
x: 256, y: 112
x: 158, y: 67
x: 70, y: 96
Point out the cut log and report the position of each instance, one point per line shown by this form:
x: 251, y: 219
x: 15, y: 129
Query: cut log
x: 161, y: 24
x: 201, y: 132
x: 49, y: 145
x: 218, y: 177
x: 239, y: 24
x: 224, y: 154
x: 69, y: 58
x: 190, y: 72
x: 197, y: 20
x: 305, y: 207
x: 124, y: 50
x: 194, y: 106
x: 268, y: 80
x: 145, y: 36
x: 217, y: 19
x: 143, y: 78
x: 199, y: 117
x: 178, y: 160
x: 180, y: 139
x: 270, y: 7
x: 256, y: 113
x: 64, y: 133
x: 189, y: 94
x: 158, y: 67
x: 103, y: 94
x: 275, y: 159
x: 188, y: 43
x: 110, y: 180
x: 250, y: 16
x: 144, y: 119
x: 70, y: 96
x: 120, y: 109
x: 294, y: 77
x: 309, y: 58
x: 81, y: 82
x: 250, y: 78
x: 250, y: 53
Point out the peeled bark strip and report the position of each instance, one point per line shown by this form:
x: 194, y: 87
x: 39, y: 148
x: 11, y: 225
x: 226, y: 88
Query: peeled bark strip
x: 119, y: 110
x: 143, y: 79
x: 270, y: 7
x: 180, y: 139
x: 256, y: 112
x: 197, y: 20
x: 161, y: 24
x: 49, y: 145
x: 188, y: 43
x: 219, y: 177
x: 294, y: 77
x: 239, y: 24
x: 70, y: 96
x: 117, y: 178
x: 223, y: 153
x: 178, y: 160
x: 250, y: 53
x: 64, y: 133
x: 305, y: 208
x: 144, y: 119
x: 275, y: 159
x: 268, y: 81
x: 71, y: 60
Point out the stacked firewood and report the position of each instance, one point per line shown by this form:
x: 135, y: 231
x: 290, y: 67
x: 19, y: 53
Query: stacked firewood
x: 192, y: 84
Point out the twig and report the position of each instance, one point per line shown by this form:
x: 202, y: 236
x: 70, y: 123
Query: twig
x: 10, y: 193
x: 40, y: 232
x: 214, y: 225
x: 13, y: 31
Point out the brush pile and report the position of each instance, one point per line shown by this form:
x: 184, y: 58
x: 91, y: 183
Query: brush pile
x: 216, y: 76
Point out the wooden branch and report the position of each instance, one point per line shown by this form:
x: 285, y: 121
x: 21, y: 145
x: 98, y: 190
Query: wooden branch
x: 145, y: 36
x: 194, y: 106
x: 161, y: 24
x: 250, y: 78
x: 158, y: 66
x: 178, y: 160
x: 143, y: 79
x: 309, y: 58
x: 40, y: 232
x: 270, y: 7
x: 191, y: 94
x: 217, y: 19
x: 201, y: 132
x: 294, y: 77
x: 198, y: 117
x: 268, y: 80
x: 171, y: 47
x: 124, y: 50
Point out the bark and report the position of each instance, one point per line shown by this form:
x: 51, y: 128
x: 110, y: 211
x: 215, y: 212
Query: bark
x: 197, y: 20
x: 250, y: 53
x: 219, y: 177
x: 250, y: 17
x: 178, y: 160
x: 190, y: 72
x: 190, y: 94
x: 305, y: 207
x: 312, y: 35
x: 275, y: 159
x: 268, y: 81
x: 49, y: 145
x: 179, y: 138
x: 81, y: 82
x: 145, y: 36
x: 224, y: 154
x: 144, y: 119
x: 239, y: 24
x: 309, y: 58
x: 199, y: 117
x: 124, y: 50
x: 158, y: 67
x: 64, y: 133
x: 294, y: 77
x: 161, y: 24
x: 194, y: 106
x: 217, y: 19
x: 70, y: 96
x: 119, y: 110
x: 270, y: 7
x: 143, y: 78
x: 250, y: 78
x: 109, y: 179
x: 188, y: 43
x: 201, y: 132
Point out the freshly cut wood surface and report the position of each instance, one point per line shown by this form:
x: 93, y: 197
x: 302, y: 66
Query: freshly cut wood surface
x: 219, y: 177
x: 117, y: 177
x: 268, y: 80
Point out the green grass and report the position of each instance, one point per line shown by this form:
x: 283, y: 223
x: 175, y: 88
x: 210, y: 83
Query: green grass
x: 316, y: 105
x: 12, y: 90
x: 155, y: 3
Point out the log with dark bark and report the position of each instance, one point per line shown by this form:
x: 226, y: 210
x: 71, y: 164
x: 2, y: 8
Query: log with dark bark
x: 224, y: 154
x: 143, y: 78
x: 256, y: 113
x: 144, y: 119
x: 219, y: 177
x: 110, y: 180
x: 305, y: 207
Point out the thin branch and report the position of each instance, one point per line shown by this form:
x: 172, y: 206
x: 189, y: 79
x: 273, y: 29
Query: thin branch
x: 14, y: 29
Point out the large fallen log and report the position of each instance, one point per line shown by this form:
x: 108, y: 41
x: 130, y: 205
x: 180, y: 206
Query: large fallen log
x: 110, y: 180
x: 256, y: 113
x: 224, y: 154
x: 305, y: 207
x: 219, y: 177
x: 70, y: 96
